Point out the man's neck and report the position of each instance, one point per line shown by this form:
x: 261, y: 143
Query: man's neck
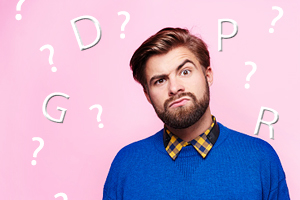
x: 196, y: 129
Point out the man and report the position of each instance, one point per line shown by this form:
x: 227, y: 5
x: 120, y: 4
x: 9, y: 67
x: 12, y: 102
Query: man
x: 193, y: 156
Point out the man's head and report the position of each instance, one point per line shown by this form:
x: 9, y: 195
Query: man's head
x: 173, y: 66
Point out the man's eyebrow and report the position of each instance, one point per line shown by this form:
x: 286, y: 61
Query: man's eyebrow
x: 183, y: 63
x: 157, y: 77
x: 177, y: 69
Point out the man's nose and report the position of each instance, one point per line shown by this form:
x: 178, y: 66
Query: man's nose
x: 175, y: 86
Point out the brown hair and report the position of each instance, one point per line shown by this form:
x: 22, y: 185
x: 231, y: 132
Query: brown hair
x: 162, y: 42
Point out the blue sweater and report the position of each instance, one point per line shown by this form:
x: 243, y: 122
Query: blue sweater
x: 237, y: 167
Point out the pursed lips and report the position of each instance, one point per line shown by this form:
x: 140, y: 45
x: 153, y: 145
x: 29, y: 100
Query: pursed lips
x: 178, y: 101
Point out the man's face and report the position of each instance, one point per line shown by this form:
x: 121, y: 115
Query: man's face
x: 177, y: 87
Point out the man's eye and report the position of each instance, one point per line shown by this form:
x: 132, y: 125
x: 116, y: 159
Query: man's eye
x: 159, y: 81
x: 185, y: 72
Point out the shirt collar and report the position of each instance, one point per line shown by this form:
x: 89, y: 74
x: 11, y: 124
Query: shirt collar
x: 202, y: 143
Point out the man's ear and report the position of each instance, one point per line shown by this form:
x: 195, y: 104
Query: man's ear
x: 209, y: 75
x: 146, y: 94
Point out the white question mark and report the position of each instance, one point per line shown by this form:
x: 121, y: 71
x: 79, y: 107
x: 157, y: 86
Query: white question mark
x: 33, y: 162
x: 254, y: 67
x: 48, y: 46
x: 19, y: 4
x: 271, y: 30
x: 122, y: 35
x: 61, y: 195
x: 99, y: 113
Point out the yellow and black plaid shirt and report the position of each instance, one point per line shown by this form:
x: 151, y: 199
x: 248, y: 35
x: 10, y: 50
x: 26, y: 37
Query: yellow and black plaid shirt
x: 202, y: 143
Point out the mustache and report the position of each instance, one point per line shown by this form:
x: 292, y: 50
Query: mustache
x: 174, y: 98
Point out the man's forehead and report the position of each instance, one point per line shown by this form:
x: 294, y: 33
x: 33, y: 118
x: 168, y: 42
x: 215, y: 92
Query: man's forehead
x: 169, y: 61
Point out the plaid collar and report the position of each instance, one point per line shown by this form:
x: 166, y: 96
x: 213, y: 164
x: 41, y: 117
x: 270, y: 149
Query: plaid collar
x: 202, y: 143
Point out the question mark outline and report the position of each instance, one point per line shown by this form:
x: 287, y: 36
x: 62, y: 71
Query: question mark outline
x: 51, y: 49
x: 280, y: 10
x: 254, y: 67
x: 99, y: 113
x: 127, y: 15
x: 19, y: 4
x: 61, y: 194
x: 33, y: 162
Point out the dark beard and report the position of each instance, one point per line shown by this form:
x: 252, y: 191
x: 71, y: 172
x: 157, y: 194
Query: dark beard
x: 184, y: 117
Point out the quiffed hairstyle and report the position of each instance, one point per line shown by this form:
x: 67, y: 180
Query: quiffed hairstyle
x: 161, y: 43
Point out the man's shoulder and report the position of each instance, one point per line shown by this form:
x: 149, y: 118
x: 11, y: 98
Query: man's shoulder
x: 138, y: 148
x: 142, y: 143
x: 248, y: 142
x: 256, y: 153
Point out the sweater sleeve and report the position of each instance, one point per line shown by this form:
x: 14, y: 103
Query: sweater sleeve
x: 272, y: 176
x: 281, y: 192
x: 114, y: 184
x: 105, y: 196
x: 111, y: 185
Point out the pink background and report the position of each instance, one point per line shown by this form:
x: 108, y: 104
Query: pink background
x: 77, y: 153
